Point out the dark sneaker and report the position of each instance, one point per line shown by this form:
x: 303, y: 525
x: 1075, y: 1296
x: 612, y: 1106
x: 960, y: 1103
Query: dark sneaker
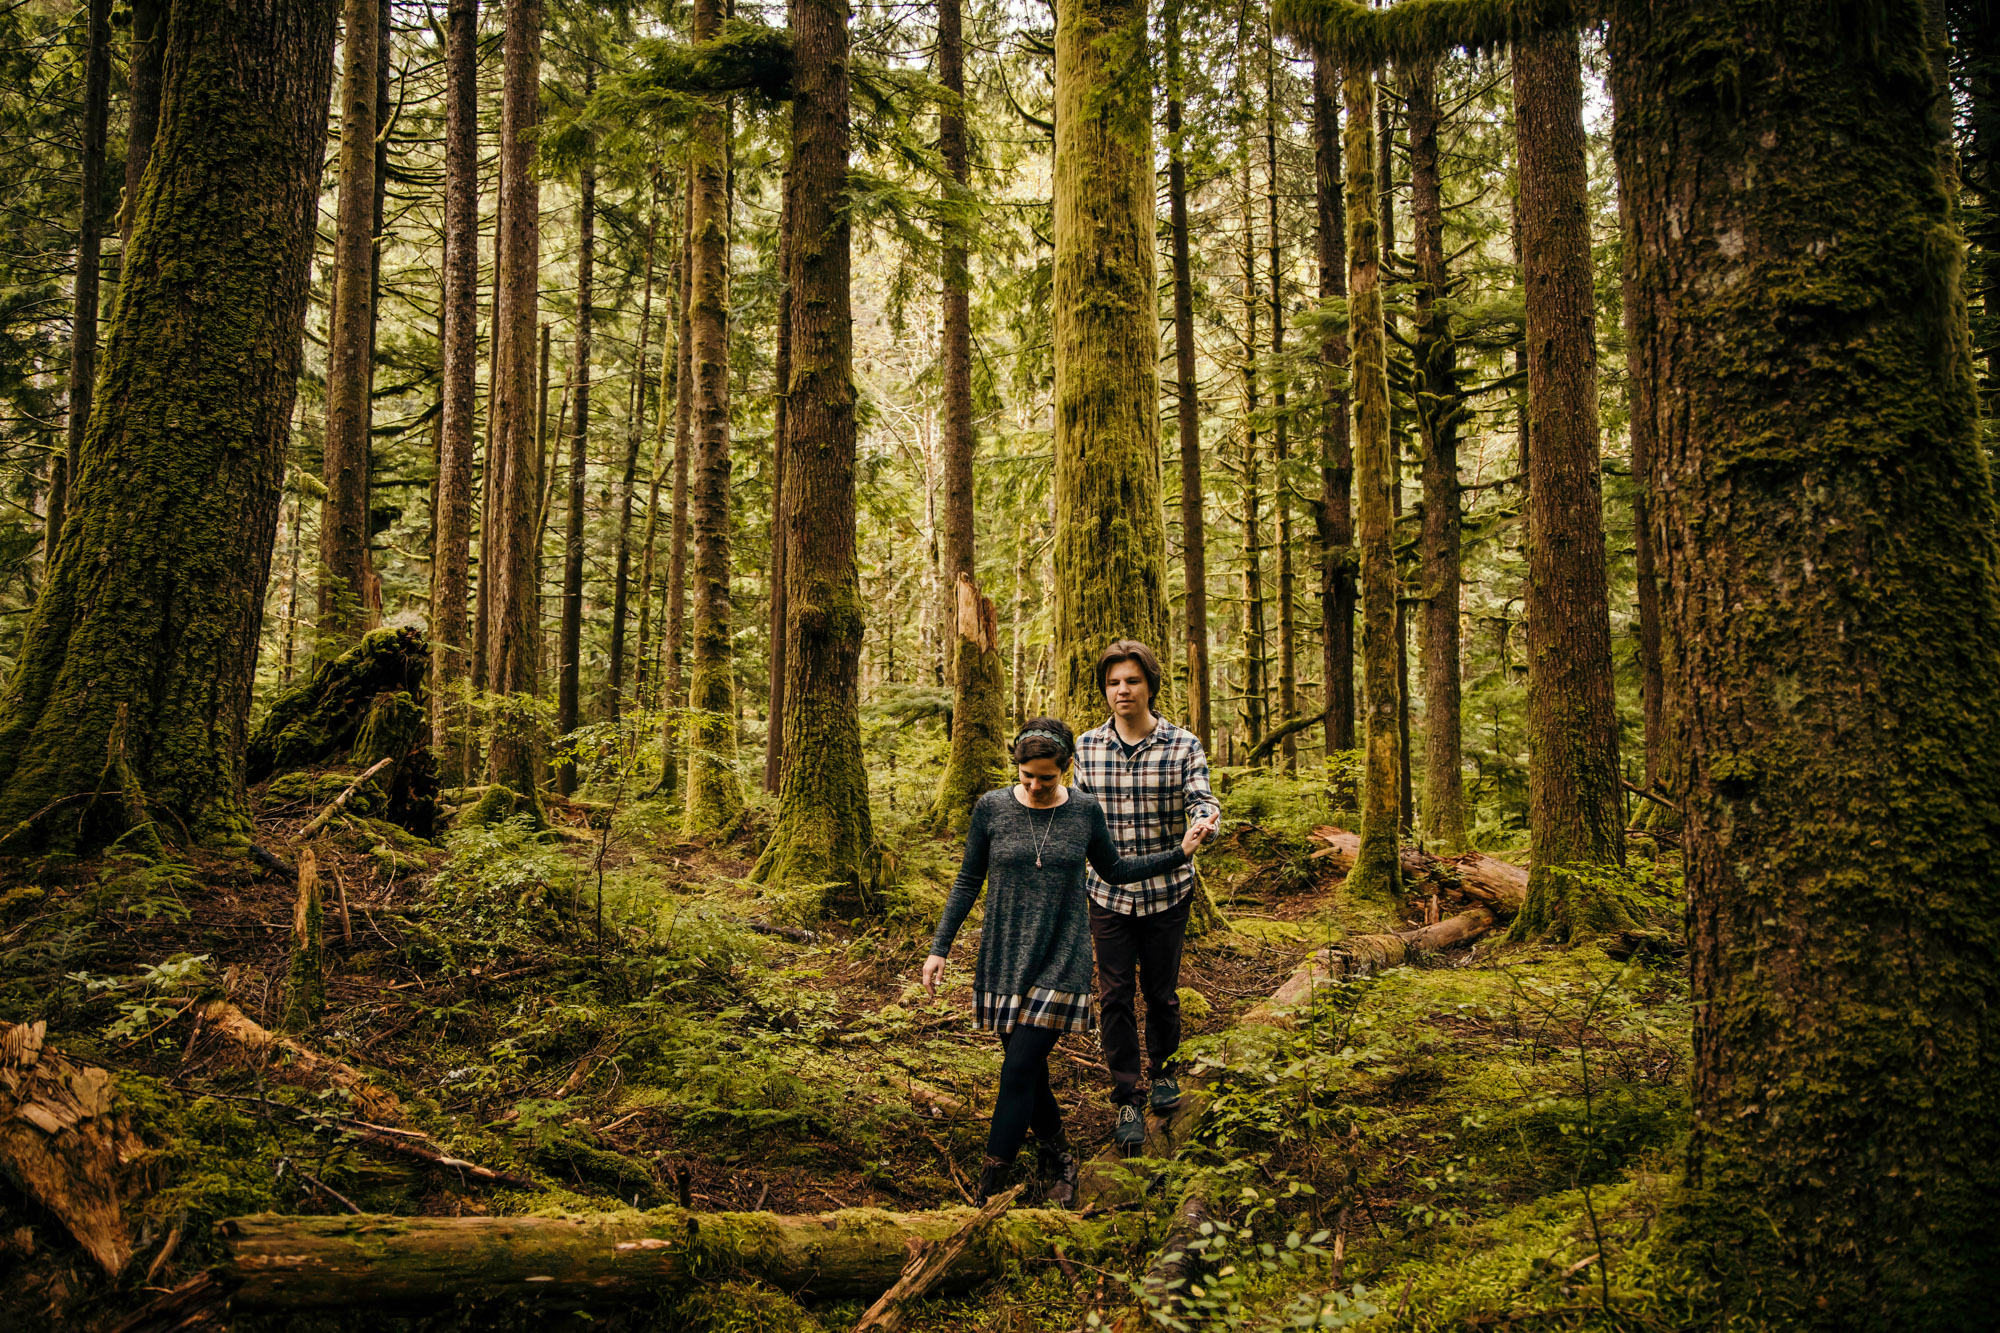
x: 1130, y: 1132
x: 1166, y: 1093
x: 1058, y: 1169
x: 991, y: 1180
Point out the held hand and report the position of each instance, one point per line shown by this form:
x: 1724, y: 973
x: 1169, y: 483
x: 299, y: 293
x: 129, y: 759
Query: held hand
x: 1198, y: 833
x: 933, y: 973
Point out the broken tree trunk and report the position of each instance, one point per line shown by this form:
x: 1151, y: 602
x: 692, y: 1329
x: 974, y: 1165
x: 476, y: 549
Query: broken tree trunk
x: 1501, y: 886
x: 305, y: 986
x: 288, y: 1263
x: 245, y: 1043
x: 63, y: 1143
x: 928, y: 1263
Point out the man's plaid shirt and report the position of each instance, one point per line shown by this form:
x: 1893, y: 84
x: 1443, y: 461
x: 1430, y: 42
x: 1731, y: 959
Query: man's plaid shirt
x: 1149, y: 800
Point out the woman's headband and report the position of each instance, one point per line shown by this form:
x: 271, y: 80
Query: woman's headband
x: 1061, y: 744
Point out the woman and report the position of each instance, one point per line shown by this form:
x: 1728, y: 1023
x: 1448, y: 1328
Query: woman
x: 1029, y: 844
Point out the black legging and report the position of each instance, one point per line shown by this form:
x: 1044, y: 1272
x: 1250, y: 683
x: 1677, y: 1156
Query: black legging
x: 1025, y: 1100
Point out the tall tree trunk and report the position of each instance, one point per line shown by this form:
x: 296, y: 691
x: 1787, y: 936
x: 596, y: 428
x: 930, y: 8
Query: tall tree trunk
x: 774, y: 726
x: 1110, y: 541
x: 149, y: 50
x: 673, y: 633
x: 1645, y: 392
x: 176, y: 506
x: 1439, y: 412
x: 1827, y: 567
x: 978, y: 759
x: 1256, y: 656
x: 570, y: 652
x: 1575, y: 801
x: 824, y: 833
x: 1386, y: 182
x: 343, y: 522
x: 1194, y: 533
x: 644, y: 679
x: 482, y: 621
x: 89, y: 245
x: 452, y: 549
x: 634, y: 432
x: 715, y: 794
x: 1334, y: 518
x: 1281, y: 492
x: 509, y: 548
x: 1376, y: 878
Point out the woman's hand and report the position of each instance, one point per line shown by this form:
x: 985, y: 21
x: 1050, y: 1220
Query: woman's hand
x: 1198, y: 833
x: 933, y: 973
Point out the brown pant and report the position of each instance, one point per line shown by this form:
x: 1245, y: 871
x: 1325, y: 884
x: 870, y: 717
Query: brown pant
x: 1149, y: 946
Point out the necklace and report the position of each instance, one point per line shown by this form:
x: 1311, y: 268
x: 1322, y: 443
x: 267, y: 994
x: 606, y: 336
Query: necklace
x: 1042, y: 838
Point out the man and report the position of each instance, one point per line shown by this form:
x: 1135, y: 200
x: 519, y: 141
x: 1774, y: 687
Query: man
x: 1151, y: 777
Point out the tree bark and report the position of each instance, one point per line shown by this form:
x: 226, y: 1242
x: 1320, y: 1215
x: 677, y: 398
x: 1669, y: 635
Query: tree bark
x: 673, y: 634
x: 1194, y: 532
x: 1110, y: 541
x: 644, y: 683
x: 714, y: 794
x: 634, y: 431
x: 781, y: 368
x: 1375, y: 880
x: 1386, y: 182
x: 1256, y: 703
x: 509, y: 547
x: 824, y: 833
x: 1439, y: 413
x: 295, y: 1263
x: 570, y: 651
x: 1334, y: 517
x: 1576, y: 814
x: 978, y: 758
x: 1827, y: 567
x: 452, y: 528
x: 89, y: 247
x: 1281, y: 504
x: 176, y: 506
x: 343, y: 522
x: 149, y: 49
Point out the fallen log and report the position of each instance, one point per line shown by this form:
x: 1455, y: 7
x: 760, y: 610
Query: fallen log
x: 1499, y: 885
x: 246, y: 1043
x: 274, y: 1262
x: 927, y: 1264
x: 64, y: 1143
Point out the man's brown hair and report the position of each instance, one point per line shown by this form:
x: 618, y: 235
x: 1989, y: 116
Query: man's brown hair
x: 1130, y: 650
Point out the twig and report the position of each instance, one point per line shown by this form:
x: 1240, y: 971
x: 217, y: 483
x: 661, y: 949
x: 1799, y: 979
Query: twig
x: 321, y: 1185
x: 319, y: 820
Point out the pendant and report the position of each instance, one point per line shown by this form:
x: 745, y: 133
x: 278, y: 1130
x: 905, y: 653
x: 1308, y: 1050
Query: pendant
x: 1038, y: 863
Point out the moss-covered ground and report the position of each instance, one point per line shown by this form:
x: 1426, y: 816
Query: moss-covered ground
x: 1483, y: 1140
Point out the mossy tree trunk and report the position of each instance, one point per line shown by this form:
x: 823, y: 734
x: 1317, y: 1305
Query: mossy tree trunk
x: 1575, y: 803
x: 978, y: 758
x: 1256, y: 704
x: 569, y: 648
x: 824, y: 833
x: 174, y: 512
x: 1110, y: 539
x: 510, y: 544
x: 714, y: 792
x: 621, y: 568
x: 781, y: 378
x: 343, y: 520
x: 1827, y: 567
x: 452, y: 528
x: 1375, y: 879
x: 1281, y: 490
x: 673, y: 634
x: 1440, y: 410
x: 1334, y: 518
x: 148, y: 56
x: 1194, y: 534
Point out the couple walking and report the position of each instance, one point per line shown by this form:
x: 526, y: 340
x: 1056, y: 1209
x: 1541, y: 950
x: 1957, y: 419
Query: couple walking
x: 1104, y: 861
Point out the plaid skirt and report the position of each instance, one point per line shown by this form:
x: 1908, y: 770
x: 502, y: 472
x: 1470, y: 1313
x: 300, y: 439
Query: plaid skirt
x: 1060, y: 1011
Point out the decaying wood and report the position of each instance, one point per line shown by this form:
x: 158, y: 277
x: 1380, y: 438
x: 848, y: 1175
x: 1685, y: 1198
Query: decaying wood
x: 1499, y: 885
x: 246, y: 1043
x: 334, y: 807
x: 1163, y: 1286
x: 63, y: 1142
x: 278, y: 1263
x: 929, y: 1262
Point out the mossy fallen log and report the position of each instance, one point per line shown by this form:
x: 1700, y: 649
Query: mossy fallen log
x: 274, y: 1262
x: 1500, y: 885
x: 366, y: 705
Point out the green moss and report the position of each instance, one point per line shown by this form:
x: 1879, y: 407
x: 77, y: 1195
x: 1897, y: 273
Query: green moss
x: 311, y: 790
x: 739, y: 1307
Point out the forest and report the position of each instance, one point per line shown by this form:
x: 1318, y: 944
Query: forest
x: 564, y: 564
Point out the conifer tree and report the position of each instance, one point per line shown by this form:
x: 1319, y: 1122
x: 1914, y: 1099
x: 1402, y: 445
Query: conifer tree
x: 175, y: 507
x: 570, y: 649
x: 1194, y: 537
x: 1334, y: 522
x: 89, y: 239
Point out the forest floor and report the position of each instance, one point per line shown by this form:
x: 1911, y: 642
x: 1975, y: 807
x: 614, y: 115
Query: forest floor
x: 1484, y: 1139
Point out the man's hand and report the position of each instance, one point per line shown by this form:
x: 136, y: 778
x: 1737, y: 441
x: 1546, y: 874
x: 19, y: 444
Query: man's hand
x: 933, y: 973
x: 1197, y: 834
